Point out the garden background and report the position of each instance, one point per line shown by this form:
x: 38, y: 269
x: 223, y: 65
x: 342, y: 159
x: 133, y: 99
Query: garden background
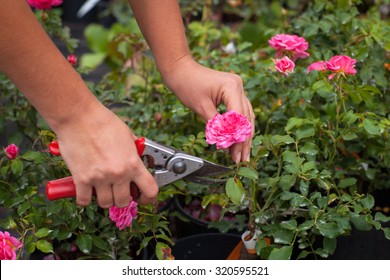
x: 319, y: 167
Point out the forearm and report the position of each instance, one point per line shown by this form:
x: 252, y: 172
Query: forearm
x: 32, y: 61
x: 161, y: 24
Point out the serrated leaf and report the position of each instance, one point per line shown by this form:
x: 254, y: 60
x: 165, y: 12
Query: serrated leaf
x: 294, y: 122
x: 43, y: 232
x: 287, y: 181
x: 248, y: 172
x: 309, y: 149
x: 44, y: 246
x: 84, y: 243
x: 290, y: 224
x: 330, y: 230
x: 344, y: 183
x: 278, y: 140
x: 35, y: 156
x: 368, y: 202
x: 283, y: 236
x: 360, y: 223
x: 306, y: 225
x: 283, y: 253
x: 234, y: 190
x: 330, y: 245
x: 381, y: 217
x: 387, y: 232
x: 305, y: 132
x: 17, y: 166
x: 370, y: 127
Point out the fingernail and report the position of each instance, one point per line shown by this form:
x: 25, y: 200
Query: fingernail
x: 247, y: 158
x: 238, y: 158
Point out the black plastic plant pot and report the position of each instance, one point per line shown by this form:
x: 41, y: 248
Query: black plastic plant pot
x: 206, y: 246
x: 190, y: 225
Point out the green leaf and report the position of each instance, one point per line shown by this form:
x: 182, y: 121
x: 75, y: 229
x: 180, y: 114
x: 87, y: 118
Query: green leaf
x: 304, y: 132
x: 330, y: 245
x: 31, y: 247
x: 380, y: 217
x: 84, y: 243
x: 35, y: 156
x: 97, y: 37
x: 294, y: 122
x: 306, y: 225
x: 309, y: 149
x: 92, y: 60
x: 234, y: 190
x: 283, y: 236
x: 44, y: 246
x: 330, y: 229
x: 287, y: 181
x: 387, y: 232
x: 43, y: 232
x: 248, y: 172
x: 278, y: 140
x: 370, y: 127
x: 344, y: 183
x: 368, y: 202
x: 23, y: 207
x: 290, y: 224
x: 360, y: 222
x: 160, y: 250
x: 308, y: 166
x: 17, y: 167
x: 283, y: 253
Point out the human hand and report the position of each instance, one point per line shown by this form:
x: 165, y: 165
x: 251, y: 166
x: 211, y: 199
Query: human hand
x: 202, y: 90
x: 100, y: 153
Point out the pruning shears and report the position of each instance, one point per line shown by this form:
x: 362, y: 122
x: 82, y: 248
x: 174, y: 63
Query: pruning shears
x: 167, y: 165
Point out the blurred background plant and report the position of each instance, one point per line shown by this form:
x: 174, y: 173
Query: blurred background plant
x: 318, y: 171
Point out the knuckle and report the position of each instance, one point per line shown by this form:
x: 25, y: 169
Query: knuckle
x: 235, y: 80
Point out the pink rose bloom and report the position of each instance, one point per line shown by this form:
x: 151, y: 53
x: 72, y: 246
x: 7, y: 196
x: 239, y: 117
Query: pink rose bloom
x: 8, y: 246
x: 123, y: 217
x: 11, y: 151
x: 316, y: 66
x: 226, y: 129
x: 291, y: 45
x: 44, y: 4
x: 341, y: 64
x: 284, y: 65
x: 72, y: 59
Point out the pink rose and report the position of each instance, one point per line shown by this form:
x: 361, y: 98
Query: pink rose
x: 44, y: 4
x: 72, y: 59
x: 291, y: 45
x: 341, y: 64
x: 8, y: 246
x: 226, y: 129
x: 284, y: 65
x: 316, y: 66
x: 11, y: 151
x: 123, y: 217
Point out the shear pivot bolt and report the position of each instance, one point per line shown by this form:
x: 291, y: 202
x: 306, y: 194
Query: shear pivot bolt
x: 179, y: 167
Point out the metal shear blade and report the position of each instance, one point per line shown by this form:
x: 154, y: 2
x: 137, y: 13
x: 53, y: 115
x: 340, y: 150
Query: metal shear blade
x: 170, y: 165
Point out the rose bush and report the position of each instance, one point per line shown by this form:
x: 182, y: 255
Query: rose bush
x: 319, y: 157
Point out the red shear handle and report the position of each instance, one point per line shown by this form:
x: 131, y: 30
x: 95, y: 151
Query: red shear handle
x: 65, y: 187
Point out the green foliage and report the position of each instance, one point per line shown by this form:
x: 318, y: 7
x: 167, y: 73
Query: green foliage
x: 320, y: 151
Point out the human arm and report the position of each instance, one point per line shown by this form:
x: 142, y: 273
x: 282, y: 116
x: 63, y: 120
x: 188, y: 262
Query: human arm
x: 96, y: 145
x: 199, y: 88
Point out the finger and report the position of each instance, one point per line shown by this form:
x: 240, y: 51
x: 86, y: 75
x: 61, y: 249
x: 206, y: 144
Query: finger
x: 147, y: 186
x: 121, y: 194
x: 83, y: 193
x: 236, y: 150
x: 104, y: 195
